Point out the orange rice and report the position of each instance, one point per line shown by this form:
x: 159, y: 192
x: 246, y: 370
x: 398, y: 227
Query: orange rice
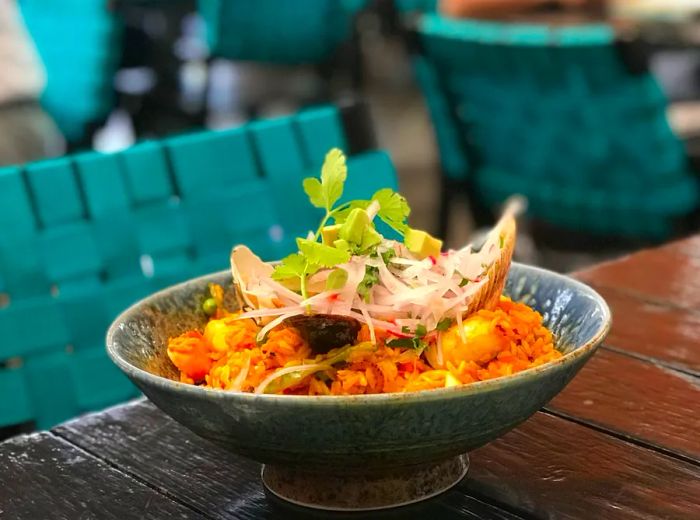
x: 226, y: 356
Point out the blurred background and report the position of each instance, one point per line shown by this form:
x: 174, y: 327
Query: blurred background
x: 140, y: 139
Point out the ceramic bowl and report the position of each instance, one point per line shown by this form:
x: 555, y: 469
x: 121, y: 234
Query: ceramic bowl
x: 380, y: 450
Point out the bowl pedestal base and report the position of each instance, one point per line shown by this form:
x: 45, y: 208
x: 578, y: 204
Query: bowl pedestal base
x: 364, y: 492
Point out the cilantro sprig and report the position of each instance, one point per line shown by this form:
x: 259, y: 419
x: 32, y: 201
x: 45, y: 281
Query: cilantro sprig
x: 418, y: 341
x: 325, y: 192
x: 393, y: 209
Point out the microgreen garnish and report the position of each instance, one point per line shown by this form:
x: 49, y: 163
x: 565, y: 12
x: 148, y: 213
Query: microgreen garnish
x: 336, y: 279
x: 388, y: 255
x: 444, y: 324
x: 356, y: 233
x: 325, y: 193
x: 370, y: 279
x: 414, y: 343
x: 320, y: 254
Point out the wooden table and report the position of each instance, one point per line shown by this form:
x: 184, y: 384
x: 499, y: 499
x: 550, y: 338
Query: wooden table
x: 622, y: 441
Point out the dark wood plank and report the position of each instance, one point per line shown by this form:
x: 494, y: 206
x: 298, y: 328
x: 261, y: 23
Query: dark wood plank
x: 554, y: 468
x: 137, y: 438
x: 42, y: 476
x: 638, y: 399
x: 665, y: 275
x: 670, y: 335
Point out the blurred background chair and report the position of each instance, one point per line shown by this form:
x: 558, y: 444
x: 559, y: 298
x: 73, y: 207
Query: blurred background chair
x: 278, y: 32
x: 80, y: 44
x: 556, y: 115
x: 320, y: 33
x: 88, y: 234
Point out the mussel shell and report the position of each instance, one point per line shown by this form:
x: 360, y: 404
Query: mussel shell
x: 324, y: 332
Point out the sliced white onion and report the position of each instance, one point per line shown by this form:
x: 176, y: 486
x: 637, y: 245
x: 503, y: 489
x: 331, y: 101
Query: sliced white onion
x: 240, y: 378
x: 440, y: 358
x: 267, y: 328
x: 462, y: 333
x: 281, y: 290
x: 373, y: 209
x: 380, y: 324
x: 263, y: 313
x: 407, y: 322
x: 404, y: 261
x: 389, y: 281
x: 368, y: 320
x: 462, y: 299
x: 314, y: 367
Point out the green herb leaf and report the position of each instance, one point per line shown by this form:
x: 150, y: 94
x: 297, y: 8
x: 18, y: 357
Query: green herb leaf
x: 414, y: 343
x: 464, y: 282
x: 402, y: 343
x: 388, y: 255
x: 333, y: 174
x: 314, y: 190
x: 341, y: 215
x: 444, y: 324
x: 320, y: 254
x: 420, y: 330
x: 337, y: 279
x: 370, y: 239
x: 292, y: 266
x: 394, y: 209
x: 405, y: 329
x: 370, y: 279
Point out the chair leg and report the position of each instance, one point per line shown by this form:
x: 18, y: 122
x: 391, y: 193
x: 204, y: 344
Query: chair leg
x: 481, y: 214
x: 355, y: 61
x: 10, y: 431
x: 447, y: 189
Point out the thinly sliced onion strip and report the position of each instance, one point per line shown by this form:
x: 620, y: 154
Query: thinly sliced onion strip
x: 267, y: 328
x: 240, y: 378
x: 460, y: 329
x: 312, y: 368
x: 439, y: 356
x: 282, y: 291
x: 368, y: 320
x: 264, y: 313
x: 373, y: 209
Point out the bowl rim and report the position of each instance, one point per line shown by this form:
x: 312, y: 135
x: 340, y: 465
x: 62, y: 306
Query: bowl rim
x: 476, y: 387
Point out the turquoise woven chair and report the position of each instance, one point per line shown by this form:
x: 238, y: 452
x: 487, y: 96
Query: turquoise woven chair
x: 405, y: 7
x: 79, y: 42
x: 271, y: 31
x: 86, y: 235
x: 553, y: 114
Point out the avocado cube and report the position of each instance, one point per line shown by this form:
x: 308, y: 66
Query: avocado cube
x: 422, y: 244
x: 370, y: 238
x: 354, y: 227
x: 329, y: 234
x: 341, y: 244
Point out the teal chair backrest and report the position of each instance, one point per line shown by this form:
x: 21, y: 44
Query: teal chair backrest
x: 278, y: 32
x: 417, y: 6
x: 79, y: 42
x: 554, y: 114
x: 86, y: 235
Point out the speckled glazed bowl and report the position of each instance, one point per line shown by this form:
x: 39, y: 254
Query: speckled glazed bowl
x: 358, y: 452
